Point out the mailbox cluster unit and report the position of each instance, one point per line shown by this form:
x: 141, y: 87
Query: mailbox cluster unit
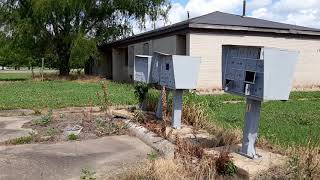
x: 257, y: 73
x: 174, y: 72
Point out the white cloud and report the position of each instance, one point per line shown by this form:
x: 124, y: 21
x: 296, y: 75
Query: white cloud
x: 200, y: 7
x: 297, y: 12
x: 258, y: 4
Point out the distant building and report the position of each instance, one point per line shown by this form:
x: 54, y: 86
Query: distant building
x: 204, y: 36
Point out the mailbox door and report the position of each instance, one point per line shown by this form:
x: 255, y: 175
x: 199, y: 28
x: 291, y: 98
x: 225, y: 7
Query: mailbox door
x: 141, y: 70
x: 258, y: 86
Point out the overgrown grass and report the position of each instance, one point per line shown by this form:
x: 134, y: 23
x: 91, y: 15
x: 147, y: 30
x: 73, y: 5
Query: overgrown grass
x: 58, y: 94
x: 282, y: 123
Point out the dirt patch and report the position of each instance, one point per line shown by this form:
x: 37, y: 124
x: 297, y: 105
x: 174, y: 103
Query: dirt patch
x: 56, y: 126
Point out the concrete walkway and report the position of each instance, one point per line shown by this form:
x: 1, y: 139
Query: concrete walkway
x: 65, y: 160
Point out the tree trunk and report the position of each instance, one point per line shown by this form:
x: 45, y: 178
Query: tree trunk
x: 64, y: 58
x: 64, y: 69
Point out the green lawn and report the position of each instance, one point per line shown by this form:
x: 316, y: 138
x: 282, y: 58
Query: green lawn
x: 14, y: 76
x: 57, y: 94
x: 284, y: 123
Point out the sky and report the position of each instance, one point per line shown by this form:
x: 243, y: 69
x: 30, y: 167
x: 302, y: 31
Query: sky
x: 297, y: 12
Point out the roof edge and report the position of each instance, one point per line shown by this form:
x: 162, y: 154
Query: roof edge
x: 253, y: 29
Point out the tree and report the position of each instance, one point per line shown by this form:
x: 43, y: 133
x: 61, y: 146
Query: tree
x: 69, y: 29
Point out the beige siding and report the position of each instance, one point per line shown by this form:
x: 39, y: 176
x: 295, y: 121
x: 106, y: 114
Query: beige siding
x: 209, y: 48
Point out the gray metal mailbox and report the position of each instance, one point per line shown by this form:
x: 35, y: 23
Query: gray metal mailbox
x: 179, y: 72
x: 174, y: 72
x: 142, y: 69
x: 257, y: 73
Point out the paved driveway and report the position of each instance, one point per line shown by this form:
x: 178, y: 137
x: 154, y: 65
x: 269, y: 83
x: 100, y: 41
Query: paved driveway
x: 65, y: 160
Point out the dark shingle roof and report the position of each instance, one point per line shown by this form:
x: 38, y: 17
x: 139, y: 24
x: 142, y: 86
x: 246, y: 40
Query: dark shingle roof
x: 220, y: 20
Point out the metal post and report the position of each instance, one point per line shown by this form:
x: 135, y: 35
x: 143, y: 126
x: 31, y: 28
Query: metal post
x: 159, y: 110
x: 42, y: 66
x: 159, y: 107
x: 251, y: 127
x: 143, y: 105
x: 177, y: 109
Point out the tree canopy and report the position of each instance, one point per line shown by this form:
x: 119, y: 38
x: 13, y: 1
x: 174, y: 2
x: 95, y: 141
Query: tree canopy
x: 67, y: 32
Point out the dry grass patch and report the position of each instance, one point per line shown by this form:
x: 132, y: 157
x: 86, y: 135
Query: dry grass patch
x: 303, y: 163
x: 159, y: 169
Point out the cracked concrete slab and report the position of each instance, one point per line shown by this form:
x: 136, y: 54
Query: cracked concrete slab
x: 11, y: 127
x: 65, y: 160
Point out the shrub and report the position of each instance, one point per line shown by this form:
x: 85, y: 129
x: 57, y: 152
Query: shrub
x: 141, y: 91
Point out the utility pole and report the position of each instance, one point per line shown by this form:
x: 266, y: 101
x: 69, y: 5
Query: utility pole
x: 244, y: 8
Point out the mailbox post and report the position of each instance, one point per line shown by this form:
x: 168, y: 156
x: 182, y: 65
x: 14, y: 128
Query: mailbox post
x: 259, y: 74
x: 174, y: 72
x: 178, y: 73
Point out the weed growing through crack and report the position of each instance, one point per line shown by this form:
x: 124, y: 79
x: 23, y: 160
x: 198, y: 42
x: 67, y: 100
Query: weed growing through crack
x: 51, y: 131
x: 44, y: 120
x: 37, y: 112
x: 72, y: 137
x: 62, y: 115
x: 153, y: 156
x: 225, y: 165
x: 20, y: 140
x: 32, y: 137
x: 87, y: 174
x: 106, y: 127
x: 105, y: 99
x: 139, y: 116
